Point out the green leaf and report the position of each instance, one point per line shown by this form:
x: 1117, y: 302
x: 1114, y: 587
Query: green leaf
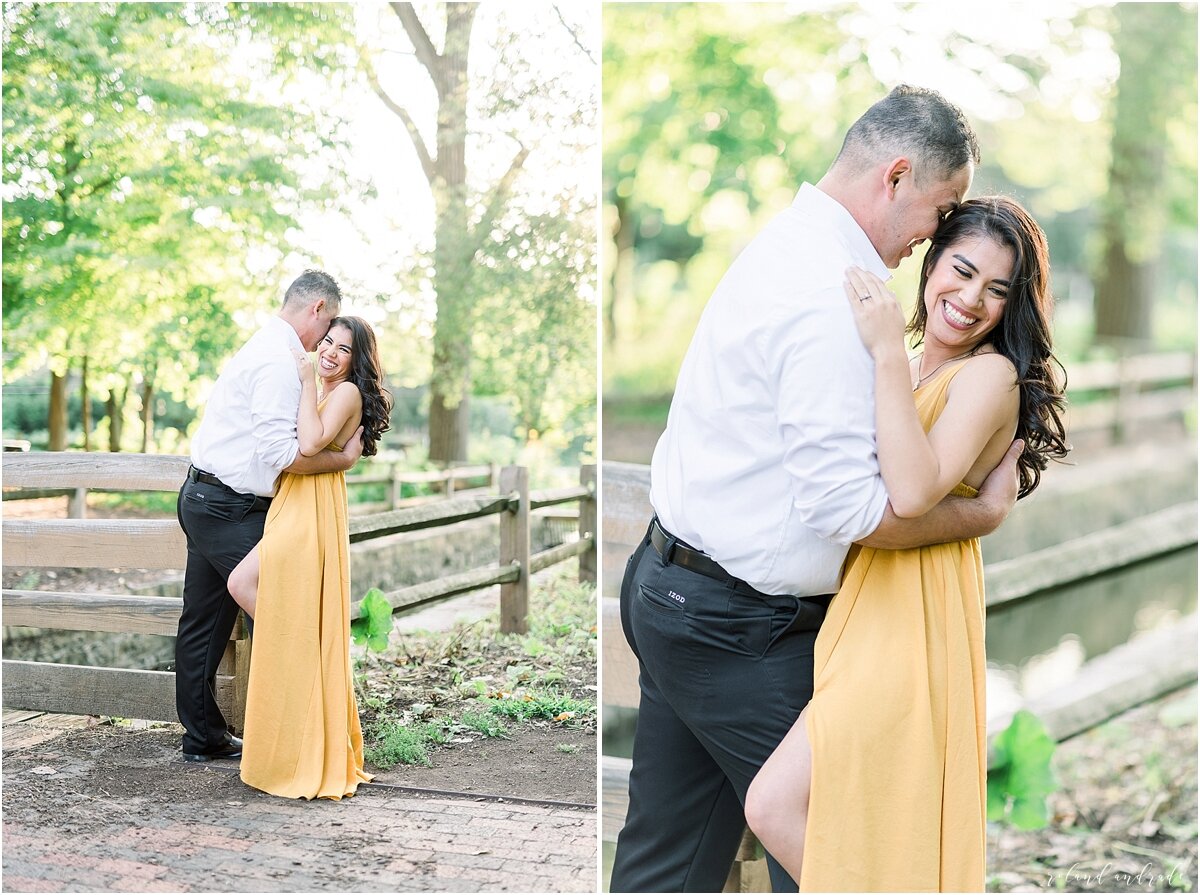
x: 374, y: 622
x: 1022, y: 777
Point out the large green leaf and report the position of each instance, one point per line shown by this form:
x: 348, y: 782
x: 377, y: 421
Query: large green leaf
x: 374, y: 622
x: 1022, y: 777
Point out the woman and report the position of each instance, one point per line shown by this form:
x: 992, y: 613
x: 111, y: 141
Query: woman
x: 302, y: 731
x: 881, y: 783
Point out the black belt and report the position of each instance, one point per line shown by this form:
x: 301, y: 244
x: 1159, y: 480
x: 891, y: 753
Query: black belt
x: 673, y: 550
x: 260, y: 505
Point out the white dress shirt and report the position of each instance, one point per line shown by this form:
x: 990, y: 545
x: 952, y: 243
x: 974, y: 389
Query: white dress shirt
x: 248, y: 433
x: 768, y: 460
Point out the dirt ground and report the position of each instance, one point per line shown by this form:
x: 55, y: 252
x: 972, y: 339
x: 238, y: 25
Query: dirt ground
x: 535, y: 758
x: 1125, y: 817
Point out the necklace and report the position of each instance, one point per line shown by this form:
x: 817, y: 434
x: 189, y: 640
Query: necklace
x: 921, y: 359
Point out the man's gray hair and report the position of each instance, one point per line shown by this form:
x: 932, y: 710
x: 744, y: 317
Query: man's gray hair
x: 310, y: 286
x: 916, y: 122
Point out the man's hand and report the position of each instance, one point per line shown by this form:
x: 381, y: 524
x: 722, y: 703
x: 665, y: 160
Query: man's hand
x: 999, y: 490
x: 330, y: 460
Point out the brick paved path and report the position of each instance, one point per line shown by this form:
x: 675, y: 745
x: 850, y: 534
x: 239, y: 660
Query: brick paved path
x: 122, y: 812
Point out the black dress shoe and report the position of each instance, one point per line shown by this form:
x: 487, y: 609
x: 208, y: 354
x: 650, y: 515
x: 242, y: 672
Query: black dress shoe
x: 231, y: 749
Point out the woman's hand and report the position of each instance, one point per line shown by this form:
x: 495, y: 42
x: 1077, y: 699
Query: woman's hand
x: 304, y: 367
x: 877, y: 314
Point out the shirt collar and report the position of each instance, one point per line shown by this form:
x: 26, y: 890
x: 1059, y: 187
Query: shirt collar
x: 283, y: 329
x: 812, y: 200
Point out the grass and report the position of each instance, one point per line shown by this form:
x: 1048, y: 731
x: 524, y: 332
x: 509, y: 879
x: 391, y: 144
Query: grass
x: 396, y: 743
x: 484, y: 723
x: 475, y: 682
x: 547, y: 705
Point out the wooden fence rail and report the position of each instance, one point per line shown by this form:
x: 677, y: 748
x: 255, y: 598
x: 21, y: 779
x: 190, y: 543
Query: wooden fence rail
x: 160, y: 544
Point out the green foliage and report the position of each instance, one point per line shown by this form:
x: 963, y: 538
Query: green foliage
x: 484, y: 723
x: 374, y: 623
x: 397, y: 743
x: 144, y: 178
x: 546, y: 705
x: 715, y: 113
x: 1022, y: 778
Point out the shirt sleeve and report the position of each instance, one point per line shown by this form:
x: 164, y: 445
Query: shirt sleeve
x: 274, y: 405
x: 826, y: 409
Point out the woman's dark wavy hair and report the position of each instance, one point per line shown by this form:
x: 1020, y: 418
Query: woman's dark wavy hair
x: 1023, y: 335
x: 367, y: 373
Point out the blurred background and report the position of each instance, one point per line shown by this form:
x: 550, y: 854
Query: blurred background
x: 170, y: 167
x: 714, y: 114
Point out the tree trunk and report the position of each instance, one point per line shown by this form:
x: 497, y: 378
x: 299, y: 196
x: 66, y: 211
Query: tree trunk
x: 85, y: 406
x: 57, y: 423
x: 116, y: 417
x: 451, y: 381
x: 147, y: 413
x: 622, y: 275
x: 1152, y: 42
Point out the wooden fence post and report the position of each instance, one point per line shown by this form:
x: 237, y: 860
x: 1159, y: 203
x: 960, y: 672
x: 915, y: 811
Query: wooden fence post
x: 449, y: 489
x: 396, y: 486
x: 587, y: 523
x: 514, y: 550
x: 241, y: 680
x: 77, y: 504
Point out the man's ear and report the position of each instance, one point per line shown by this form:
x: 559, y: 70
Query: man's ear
x: 318, y: 306
x: 899, y: 168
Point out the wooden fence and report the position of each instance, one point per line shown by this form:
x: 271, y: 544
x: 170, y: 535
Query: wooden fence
x: 1126, y: 677
x: 1122, y: 400
x: 390, y: 473
x: 160, y: 544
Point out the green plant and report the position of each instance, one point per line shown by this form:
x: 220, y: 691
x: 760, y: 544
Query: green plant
x: 483, y: 723
x: 374, y: 623
x: 549, y: 705
x: 1022, y: 778
x: 398, y: 744
x: 566, y: 748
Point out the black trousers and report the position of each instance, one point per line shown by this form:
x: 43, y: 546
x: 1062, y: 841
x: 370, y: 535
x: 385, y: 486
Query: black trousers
x: 221, y: 528
x: 724, y: 672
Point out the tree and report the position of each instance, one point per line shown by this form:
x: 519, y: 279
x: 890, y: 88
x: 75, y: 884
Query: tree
x: 470, y: 209
x: 1156, y: 44
x: 140, y: 174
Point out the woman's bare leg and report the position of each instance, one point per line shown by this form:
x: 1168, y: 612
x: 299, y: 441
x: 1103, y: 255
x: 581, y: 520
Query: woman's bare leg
x: 777, y: 801
x: 243, y: 582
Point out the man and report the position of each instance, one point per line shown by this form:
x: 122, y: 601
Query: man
x: 247, y: 437
x: 765, y: 475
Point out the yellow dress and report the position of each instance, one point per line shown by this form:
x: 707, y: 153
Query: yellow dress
x: 303, y: 738
x: 897, y: 720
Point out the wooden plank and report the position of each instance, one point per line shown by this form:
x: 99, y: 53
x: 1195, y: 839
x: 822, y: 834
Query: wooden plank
x: 16, y: 716
x: 548, y: 497
x: 428, y: 592
x: 22, y: 736
x: 428, y: 515
x: 77, y: 689
x: 419, y: 477
x: 515, y: 551
x: 95, y: 543
x: 561, y: 553
x: 1143, y: 669
x: 92, y: 612
x: 35, y: 493
x: 1144, y: 369
x: 625, y: 505
x: 78, y: 469
x: 618, y: 661
x: 1103, y: 551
